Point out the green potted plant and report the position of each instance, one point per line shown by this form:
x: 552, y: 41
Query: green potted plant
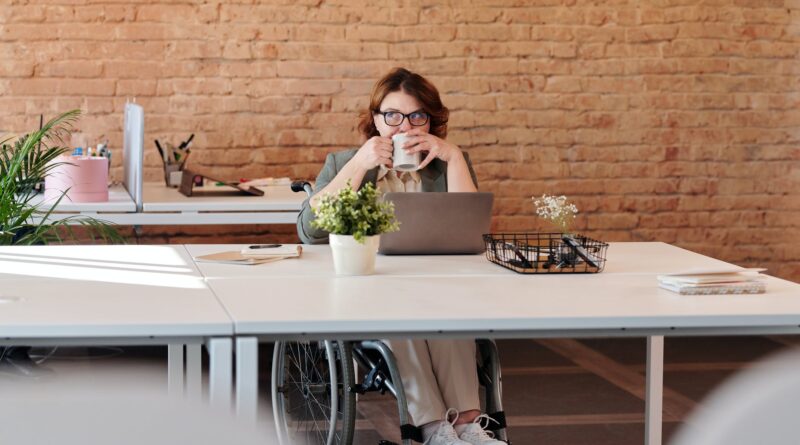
x: 24, y: 162
x: 354, y: 220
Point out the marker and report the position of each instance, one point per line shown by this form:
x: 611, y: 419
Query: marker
x: 186, y: 143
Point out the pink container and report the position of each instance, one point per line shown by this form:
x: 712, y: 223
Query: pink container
x: 85, y: 180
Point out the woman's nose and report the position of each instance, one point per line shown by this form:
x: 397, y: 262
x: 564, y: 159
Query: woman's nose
x: 405, y: 126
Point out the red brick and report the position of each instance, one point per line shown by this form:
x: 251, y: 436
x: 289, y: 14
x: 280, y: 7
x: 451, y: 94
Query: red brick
x: 370, y: 33
x: 593, y: 35
x: 22, y: 14
x: 136, y: 87
x: 427, y: 33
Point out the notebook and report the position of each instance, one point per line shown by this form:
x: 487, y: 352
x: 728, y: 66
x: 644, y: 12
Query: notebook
x: 714, y: 282
x: 236, y: 257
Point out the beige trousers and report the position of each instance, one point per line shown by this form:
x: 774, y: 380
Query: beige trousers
x: 437, y: 375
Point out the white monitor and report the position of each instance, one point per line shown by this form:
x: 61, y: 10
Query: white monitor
x: 133, y: 151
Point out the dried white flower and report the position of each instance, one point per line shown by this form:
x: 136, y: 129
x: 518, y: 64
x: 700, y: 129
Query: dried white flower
x: 557, y: 210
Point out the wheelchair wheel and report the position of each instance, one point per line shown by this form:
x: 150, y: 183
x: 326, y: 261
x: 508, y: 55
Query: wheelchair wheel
x: 311, y: 397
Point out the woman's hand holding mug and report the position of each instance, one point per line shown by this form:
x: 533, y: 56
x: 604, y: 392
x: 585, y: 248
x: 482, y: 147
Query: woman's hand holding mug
x: 376, y: 151
x: 418, y: 141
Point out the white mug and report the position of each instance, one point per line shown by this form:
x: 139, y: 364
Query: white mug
x: 401, y: 160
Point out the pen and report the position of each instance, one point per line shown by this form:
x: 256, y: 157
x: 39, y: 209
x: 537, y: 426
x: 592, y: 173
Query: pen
x: 263, y: 246
x: 161, y: 152
x: 184, y: 159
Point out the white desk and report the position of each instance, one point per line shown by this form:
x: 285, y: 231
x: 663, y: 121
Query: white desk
x: 216, y: 205
x: 132, y: 264
x: 166, y: 206
x: 469, y: 297
x: 119, y: 209
x: 493, y: 306
x: 117, y: 295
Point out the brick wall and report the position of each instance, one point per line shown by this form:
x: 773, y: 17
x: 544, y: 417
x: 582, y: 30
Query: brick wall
x: 669, y: 120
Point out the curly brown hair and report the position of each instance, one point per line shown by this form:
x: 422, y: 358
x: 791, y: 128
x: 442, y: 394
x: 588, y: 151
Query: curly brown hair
x: 401, y: 79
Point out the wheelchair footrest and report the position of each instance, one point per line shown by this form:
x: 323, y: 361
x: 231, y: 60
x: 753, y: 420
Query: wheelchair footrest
x: 499, y: 423
x: 412, y: 432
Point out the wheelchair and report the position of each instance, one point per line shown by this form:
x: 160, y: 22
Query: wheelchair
x: 314, y: 387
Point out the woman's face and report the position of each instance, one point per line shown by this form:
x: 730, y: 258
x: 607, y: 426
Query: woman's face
x: 399, y: 101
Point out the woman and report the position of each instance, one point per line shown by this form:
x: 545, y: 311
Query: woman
x: 439, y: 376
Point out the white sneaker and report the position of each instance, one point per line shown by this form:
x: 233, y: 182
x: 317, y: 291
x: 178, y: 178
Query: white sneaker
x: 475, y: 434
x: 445, y: 434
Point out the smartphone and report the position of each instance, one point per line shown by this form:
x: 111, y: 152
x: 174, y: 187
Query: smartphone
x: 259, y: 248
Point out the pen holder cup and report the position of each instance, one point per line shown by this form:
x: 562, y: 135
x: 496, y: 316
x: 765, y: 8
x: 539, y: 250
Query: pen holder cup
x: 173, y: 174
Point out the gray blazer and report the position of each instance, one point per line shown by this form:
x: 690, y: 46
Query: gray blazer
x: 433, y: 176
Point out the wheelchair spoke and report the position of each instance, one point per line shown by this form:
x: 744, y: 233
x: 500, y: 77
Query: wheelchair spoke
x: 306, y: 391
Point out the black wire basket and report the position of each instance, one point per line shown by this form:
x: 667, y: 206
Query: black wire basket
x: 546, y: 252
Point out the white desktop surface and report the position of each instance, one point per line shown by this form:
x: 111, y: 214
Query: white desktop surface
x: 97, y: 308
x: 489, y: 305
x: 105, y: 291
x: 159, y: 198
x: 111, y: 263
x: 119, y: 201
x: 631, y: 258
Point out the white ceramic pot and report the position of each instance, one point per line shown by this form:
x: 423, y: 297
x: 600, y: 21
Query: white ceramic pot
x: 353, y: 258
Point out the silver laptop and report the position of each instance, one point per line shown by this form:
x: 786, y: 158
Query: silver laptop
x: 433, y: 223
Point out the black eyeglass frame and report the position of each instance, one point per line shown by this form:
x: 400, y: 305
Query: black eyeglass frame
x: 405, y: 116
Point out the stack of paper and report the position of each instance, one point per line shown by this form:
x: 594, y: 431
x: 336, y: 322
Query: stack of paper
x: 267, y: 256
x: 718, y: 281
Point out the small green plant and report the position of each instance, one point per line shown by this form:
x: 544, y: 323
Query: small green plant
x: 24, y: 162
x: 556, y: 209
x: 357, y: 213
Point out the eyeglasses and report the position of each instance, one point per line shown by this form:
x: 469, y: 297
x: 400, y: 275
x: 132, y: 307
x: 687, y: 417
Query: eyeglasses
x: 395, y: 118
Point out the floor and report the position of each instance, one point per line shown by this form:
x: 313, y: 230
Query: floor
x: 557, y: 391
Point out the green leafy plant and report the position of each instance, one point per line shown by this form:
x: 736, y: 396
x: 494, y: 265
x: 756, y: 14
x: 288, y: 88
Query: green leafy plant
x: 24, y: 162
x: 358, y: 213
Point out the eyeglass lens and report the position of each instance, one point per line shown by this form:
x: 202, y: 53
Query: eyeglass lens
x: 395, y: 118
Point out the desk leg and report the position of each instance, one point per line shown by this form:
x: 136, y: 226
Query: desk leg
x: 247, y: 378
x: 220, y: 352
x: 175, y: 369
x: 654, y: 390
x: 194, y: 372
